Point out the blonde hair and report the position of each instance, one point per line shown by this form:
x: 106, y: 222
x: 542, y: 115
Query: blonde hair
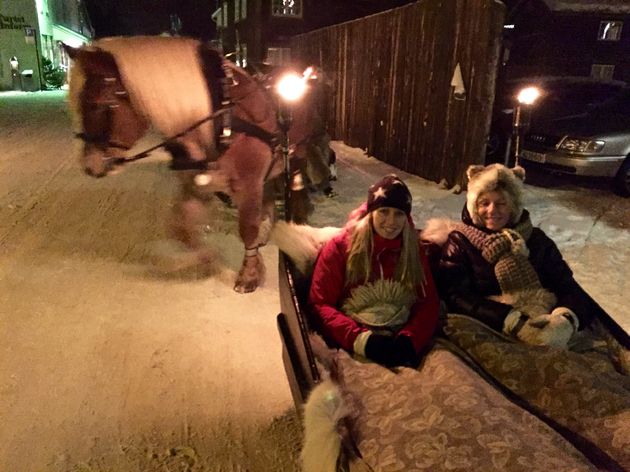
x: 409, y: 271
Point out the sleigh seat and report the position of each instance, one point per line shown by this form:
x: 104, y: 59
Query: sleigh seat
x: 455, y: 412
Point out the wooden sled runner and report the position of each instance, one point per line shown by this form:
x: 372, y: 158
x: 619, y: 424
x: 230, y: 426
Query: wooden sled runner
x: 479, y: 401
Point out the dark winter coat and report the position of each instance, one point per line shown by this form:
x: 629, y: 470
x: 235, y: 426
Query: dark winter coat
x: 465, y: 279
x: 328, y: 292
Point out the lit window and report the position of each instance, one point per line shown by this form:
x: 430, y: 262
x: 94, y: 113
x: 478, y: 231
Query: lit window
x: 278, y: 56
x: 291, y: 8
x: 610, y: 30
x: 240, y: 10
x: 602, y: 71
x: 217, y: 17
x: 242, y: 59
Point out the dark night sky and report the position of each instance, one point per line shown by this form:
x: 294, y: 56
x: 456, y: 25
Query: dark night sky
x: 134, y: 17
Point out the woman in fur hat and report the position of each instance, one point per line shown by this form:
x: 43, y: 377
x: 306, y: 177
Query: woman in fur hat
x: 496, y: 267
x: 372, y: 289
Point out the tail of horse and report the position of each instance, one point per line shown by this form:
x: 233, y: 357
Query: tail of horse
x: 301, y: 243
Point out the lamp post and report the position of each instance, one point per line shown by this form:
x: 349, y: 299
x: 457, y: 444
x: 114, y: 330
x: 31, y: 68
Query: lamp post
x: 290, y: 88
x: 524, y: 100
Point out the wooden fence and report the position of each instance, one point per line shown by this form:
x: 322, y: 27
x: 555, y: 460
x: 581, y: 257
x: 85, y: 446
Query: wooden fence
x: 392, y: 74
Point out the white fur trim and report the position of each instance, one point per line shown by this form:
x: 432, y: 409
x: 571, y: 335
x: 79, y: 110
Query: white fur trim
x: 436, y: 230
x: 360, y: 342
x: 510, y: 321
x: 483, y: 179
x: 322, y: 443
x: 562, y: 310
x: 532, y: 302
x: 301, y: 243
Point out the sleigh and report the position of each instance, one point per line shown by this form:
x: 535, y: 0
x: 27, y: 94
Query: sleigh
x: 478, y: 401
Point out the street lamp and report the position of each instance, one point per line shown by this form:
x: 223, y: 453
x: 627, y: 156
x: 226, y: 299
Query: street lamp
x: 524, y: 100
x: 290, y: 88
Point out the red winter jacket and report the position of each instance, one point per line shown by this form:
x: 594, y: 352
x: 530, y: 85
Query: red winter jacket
x: 328, y: 292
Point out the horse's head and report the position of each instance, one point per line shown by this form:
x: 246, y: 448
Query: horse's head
x: 104, y: 114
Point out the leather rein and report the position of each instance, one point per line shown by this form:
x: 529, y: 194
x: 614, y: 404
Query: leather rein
x: 230, y: 124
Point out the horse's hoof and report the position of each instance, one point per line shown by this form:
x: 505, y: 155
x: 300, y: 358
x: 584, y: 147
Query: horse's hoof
x: 251, y: 274
x: 245, y: 287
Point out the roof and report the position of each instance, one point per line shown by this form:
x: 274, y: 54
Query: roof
x: 618, y: 7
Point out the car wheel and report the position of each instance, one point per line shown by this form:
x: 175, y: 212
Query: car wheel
x: 622, y: 179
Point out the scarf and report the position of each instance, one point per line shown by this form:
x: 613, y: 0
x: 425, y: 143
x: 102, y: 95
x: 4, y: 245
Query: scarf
x: 507, y: 252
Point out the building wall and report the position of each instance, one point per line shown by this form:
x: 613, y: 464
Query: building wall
x: 15, y: 16
x: 565, y: 43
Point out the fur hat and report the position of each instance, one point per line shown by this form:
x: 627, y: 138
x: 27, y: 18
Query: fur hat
x: 495, y: 177
x: 390, y: 191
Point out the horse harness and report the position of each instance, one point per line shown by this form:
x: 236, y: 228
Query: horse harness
x: 220, y: 81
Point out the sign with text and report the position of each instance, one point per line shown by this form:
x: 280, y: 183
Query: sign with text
x: 12, y: 22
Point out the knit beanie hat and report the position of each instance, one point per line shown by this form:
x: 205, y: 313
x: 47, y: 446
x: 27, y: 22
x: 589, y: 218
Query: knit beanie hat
x: 390, y: 191
x: 495, y: 177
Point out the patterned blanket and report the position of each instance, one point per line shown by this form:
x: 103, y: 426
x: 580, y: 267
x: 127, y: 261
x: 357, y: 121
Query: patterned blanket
x: 480, y: 401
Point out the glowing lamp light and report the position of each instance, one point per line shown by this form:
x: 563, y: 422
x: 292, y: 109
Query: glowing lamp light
x: 291, y: 87
x: 528, y: 95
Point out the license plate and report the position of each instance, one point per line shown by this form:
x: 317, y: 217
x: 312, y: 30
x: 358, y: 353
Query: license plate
x: 533, y: 156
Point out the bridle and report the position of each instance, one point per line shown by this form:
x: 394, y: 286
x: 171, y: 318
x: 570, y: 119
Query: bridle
x: 114, y: 91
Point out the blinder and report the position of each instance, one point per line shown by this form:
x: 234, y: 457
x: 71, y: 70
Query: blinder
x: 109, y: 98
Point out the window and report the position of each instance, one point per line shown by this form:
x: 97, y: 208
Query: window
x: 242, y: 57
x: 240, y: 10
x: 220, y: 16
x: 610, y: 30
x: 602, y: 71
x: 292, y: 8
x: 278, y: 56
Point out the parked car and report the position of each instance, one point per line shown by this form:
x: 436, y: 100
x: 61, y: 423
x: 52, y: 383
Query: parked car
x: 578, y: 126
x: 594, y: 143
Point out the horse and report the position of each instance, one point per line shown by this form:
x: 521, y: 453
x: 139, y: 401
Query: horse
x: 221, y: 127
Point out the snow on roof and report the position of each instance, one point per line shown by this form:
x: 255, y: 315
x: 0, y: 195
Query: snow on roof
x: 603, y: 6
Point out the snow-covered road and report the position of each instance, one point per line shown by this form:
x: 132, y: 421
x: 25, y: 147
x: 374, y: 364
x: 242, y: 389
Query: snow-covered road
x: 107, y: 365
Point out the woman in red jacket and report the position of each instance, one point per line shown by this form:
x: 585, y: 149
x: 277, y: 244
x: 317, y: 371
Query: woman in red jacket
x: 372, y: 289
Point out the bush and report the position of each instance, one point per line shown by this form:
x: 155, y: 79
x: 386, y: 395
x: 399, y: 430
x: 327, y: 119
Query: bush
x: 54, y: 77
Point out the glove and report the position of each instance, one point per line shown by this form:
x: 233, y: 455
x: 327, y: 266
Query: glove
x: 380, y: 348
x: 514, y: 322
x: 404, y: 352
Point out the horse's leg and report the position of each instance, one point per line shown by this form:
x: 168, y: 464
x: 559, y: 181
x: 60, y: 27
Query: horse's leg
x: 247, y: 160
x: 300, y: 203
x: 188, y: 216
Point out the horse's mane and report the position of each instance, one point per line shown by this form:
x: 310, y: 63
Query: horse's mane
x: 76, y: 80
x: 164, y: 79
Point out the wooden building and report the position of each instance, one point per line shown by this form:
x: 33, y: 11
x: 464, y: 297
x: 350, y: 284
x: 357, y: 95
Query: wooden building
x: 414, y: 86
x: 260, y: 30
x: 31, y: 29
x: 568, y: 37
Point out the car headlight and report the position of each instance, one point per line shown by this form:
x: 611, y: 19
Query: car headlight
x: 586, y: 146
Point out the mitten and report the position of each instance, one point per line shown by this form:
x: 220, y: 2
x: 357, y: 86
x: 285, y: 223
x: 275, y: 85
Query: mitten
x: 554, y: 329
x: 404, y: 352
x: 514, y: 322
x: 380, y: 348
